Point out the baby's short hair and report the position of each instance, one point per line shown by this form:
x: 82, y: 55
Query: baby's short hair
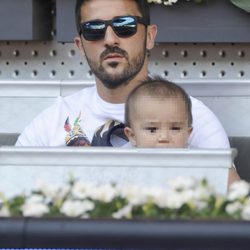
x: 159, y: 88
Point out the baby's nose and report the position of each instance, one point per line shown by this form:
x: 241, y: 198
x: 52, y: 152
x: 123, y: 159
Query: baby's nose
x: 164, y: 136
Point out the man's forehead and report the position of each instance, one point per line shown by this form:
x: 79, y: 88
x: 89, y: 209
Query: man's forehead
x: 108, y: 9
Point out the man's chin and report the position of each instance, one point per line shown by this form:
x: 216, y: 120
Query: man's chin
x: 115, y: 75
x: 114, y: 69
x: 114, y: 81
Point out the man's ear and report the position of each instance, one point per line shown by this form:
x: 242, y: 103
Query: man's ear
x: 151, y: 35
x: 130, y: 134
x: 79, y: 44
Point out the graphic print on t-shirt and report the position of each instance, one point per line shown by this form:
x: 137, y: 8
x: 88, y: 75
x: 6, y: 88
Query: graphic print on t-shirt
x: 111, y: 129
x: 75, y: 135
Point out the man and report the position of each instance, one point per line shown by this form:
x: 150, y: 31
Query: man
x: 115, y: 37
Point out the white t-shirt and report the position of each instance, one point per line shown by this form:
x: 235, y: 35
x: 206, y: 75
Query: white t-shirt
x: 84, y: 111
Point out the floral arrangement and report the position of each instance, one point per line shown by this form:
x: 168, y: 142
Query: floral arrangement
x: 183, y: 198
x: 170, y: 2
x: 242, y: 4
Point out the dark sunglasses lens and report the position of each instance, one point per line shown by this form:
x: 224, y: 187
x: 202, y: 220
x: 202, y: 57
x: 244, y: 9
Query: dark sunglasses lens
x: 125, y: 26
x: 93, y: 31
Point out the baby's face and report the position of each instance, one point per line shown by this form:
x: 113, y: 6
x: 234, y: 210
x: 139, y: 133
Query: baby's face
x: 159, y: 123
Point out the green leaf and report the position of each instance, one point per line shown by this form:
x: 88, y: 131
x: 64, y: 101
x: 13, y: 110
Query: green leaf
x: 15, y: 205
x: 106, y: 209
x: 243, y: 4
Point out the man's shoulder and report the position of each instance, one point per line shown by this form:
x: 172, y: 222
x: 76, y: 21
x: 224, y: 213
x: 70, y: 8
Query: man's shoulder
x: 196, y: 102
x: 71, y: 104
x: 200, y: 108
x: 74, y: 101
x: 83, y: 94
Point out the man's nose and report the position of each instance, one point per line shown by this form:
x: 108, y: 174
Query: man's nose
x: 110, y: 37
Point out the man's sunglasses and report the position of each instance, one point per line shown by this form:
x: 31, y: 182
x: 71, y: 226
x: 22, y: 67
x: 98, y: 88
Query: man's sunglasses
x: 123, y: 26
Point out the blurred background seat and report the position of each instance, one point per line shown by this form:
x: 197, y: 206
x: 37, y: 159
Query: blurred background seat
x: 242, y: 161
x: 8, y: 139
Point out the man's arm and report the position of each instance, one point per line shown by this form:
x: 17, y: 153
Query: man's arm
x: 34, y: 134
x: 207, y: 129
x: 40, y: 130
x: 233, y: 176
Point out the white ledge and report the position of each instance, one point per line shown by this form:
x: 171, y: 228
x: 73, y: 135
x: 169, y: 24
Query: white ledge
x: 195, y: 87
x: 112, y: 157
x: 40, y: 88
x: 25, y: 166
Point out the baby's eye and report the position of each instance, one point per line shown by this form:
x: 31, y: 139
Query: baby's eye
x: 151, y: 129
x: 176, y: 128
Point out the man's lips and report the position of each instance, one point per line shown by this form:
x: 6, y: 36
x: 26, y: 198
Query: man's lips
x: 113, y: 56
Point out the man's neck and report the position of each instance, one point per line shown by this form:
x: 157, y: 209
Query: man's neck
x: 120, y: 94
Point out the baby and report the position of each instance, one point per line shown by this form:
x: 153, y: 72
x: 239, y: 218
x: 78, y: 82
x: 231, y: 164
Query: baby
x: 158, y: 114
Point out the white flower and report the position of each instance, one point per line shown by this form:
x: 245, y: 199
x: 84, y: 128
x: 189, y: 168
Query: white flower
x: 151, y: 192
x: 175, y: 200
x: 157, y: 195
x: 245, y: 213
x: 49, y: 190
x: 125, y: 212
x: 35, y: 198
x: 155, y: 1
x: 187, y: 195
x: 181, y: 182
x: 238, y: 190
x: 82, y: 190
x: 234, y: 207
x: 169, y: 2
x: 34, y: 210
x: 202, y: 193
x: 34, y: 206
x: 133, y: 194
x: 196, y: 197
x: 199, y: 205
x: 4, y: 212
x: 76, y: 208
x: 63, y: 191
x: 85, y: 216
x: 105, y: 193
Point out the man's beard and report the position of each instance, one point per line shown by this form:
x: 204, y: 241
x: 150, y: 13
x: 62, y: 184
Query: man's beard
x: 131, y: 69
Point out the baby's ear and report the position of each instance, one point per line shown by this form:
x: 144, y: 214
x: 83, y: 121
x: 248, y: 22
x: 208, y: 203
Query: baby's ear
x: 190, y: 129
x: 131, y: 136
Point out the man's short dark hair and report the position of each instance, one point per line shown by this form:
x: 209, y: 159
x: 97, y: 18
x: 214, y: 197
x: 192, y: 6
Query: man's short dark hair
x: 159, y: 88
x: 142, y: 5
